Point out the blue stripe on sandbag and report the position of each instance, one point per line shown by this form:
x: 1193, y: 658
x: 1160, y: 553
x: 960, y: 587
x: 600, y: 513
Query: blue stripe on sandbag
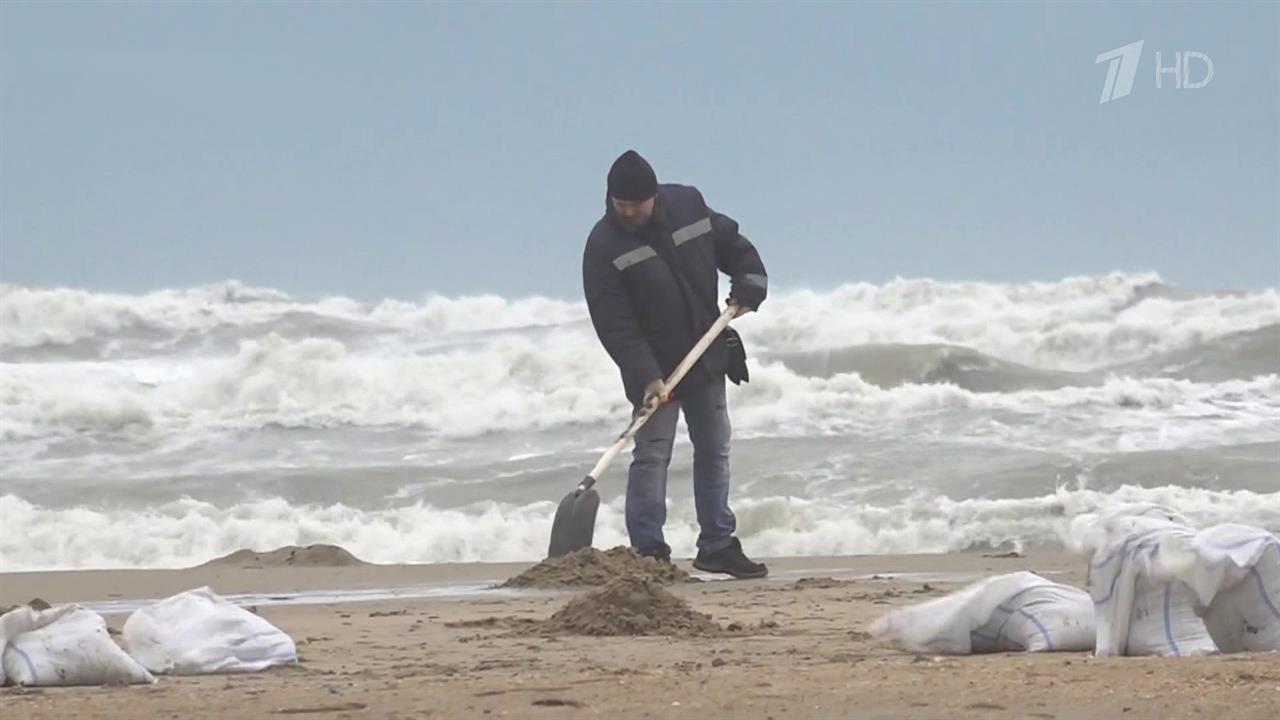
x: 1168, y: 622
x: 1262, y: 590
x: 1048, y: 641
x: 31, y: 667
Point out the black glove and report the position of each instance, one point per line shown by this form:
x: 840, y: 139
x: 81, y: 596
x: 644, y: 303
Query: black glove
x: 736, y: 370
x: 746, y: 295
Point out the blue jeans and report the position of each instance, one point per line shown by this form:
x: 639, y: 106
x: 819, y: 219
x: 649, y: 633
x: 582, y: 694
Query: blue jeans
x: 707, y: 415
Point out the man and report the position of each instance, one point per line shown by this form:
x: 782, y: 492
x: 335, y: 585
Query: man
x: 650, y: 276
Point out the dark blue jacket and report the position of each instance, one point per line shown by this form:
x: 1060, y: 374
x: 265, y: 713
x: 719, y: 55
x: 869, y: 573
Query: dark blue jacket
x: 647, y: 314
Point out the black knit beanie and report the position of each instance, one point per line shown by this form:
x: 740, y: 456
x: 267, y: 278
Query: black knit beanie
x: 631, y: 178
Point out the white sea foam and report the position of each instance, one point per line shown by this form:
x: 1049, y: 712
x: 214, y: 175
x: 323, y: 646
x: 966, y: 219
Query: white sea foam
x: 189, y: 532
x: 1077, y: 323
x: 515, y: 383
x: 107, y: 388
x: 31, y: 317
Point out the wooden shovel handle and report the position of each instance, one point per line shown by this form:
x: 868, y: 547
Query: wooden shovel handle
x: 674, y: 379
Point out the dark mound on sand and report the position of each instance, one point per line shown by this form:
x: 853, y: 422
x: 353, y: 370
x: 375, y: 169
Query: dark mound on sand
x: 820, y: 583
x: 289, y: 556
x: 589, y: 566
x: 35, y: 604
x: 629, y: 606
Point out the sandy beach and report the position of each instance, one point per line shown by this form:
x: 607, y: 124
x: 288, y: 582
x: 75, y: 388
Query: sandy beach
x: 791, y: 646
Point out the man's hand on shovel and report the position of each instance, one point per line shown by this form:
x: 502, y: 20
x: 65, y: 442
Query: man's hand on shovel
x: 742, y: 309
x: 656, y: 394
x: 575, y: 520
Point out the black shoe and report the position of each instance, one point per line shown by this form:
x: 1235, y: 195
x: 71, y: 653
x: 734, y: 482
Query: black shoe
x: 661, y: 554
x: 731, y: 561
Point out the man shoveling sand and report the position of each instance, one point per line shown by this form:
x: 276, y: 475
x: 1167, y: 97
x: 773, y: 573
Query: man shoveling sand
x: 650, y: 274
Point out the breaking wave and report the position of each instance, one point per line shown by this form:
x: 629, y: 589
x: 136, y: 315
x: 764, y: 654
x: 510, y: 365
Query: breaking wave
x: 189, y: 532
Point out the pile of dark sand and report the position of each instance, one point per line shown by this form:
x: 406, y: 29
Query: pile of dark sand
x: 589, y: 566
x: 629, y: 606
x: 289, y: 556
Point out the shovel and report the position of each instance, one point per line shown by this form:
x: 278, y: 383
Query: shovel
x: 575, y: 522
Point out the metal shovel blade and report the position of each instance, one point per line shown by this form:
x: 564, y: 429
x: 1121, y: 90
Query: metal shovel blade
x: 575, y: 522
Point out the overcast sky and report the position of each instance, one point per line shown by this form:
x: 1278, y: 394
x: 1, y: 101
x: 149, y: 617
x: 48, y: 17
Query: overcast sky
x: 399, y: 149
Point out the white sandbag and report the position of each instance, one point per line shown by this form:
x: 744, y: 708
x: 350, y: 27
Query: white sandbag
x: 74, y: 649
x: 1164, y: 621
x: 198, y: 632
x: 1142, y: 603
x: 25, y: 619
x: 1045, y: 618
x: 1099, y: 534
x: 1243, y: 612
x: 1008, y: 613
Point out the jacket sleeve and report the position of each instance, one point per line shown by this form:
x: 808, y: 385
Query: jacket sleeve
x: 616, y: 324
x: 737, y: 258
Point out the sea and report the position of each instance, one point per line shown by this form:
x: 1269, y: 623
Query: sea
x: 164, y: 429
